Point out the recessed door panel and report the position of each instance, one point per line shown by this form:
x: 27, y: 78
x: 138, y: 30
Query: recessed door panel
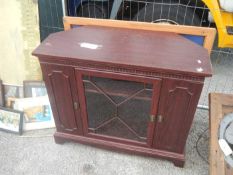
x: 61, y: 85
x: 178, y: 102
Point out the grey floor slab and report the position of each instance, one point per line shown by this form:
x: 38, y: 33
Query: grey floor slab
x: 37, y: 154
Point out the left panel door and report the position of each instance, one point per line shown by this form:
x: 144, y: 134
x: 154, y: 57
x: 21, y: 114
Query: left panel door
x: 63, y: 95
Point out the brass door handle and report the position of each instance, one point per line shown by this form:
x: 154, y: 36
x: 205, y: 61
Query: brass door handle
x: 76, y: 105
x: 160, y: 118
x: 152, y: 118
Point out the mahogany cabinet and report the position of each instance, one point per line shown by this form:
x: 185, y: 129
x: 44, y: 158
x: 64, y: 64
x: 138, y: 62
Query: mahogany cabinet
x: 130, y: 90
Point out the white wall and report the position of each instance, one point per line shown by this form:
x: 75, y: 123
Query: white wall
x: 19, y: 35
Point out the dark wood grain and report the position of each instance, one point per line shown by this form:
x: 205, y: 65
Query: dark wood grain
x: 156, y: 89
x: 132, y: 48
x: 178, y: 101
x: 154, y: 111
x: 61, y: 86
x: 167, y: 61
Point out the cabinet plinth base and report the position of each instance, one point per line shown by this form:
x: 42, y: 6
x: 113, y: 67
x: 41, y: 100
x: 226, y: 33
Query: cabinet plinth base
x: 179, y: 163
x: 59, y: 140
x: 177, y: 159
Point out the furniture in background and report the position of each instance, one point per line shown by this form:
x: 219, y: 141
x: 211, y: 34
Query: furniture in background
x: 200, y: 35
x: 220, y: 105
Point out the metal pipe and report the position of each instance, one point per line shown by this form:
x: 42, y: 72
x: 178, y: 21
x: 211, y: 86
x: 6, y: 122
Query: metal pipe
x: 64, y: 8
x: 203, y: 107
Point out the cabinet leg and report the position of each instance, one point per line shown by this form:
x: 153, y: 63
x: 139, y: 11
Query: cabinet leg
x: 178, y: 163
x: 59, y: 140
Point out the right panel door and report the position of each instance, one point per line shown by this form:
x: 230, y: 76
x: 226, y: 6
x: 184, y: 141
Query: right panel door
x: 177, y: 106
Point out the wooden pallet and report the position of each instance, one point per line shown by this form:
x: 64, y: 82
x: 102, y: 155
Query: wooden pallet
x: 220, y: 105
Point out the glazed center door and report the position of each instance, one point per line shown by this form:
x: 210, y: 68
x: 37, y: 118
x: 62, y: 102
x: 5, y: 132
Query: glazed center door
x: 118, y: 107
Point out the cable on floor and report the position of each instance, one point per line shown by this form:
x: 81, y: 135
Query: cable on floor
x: 198, y: 140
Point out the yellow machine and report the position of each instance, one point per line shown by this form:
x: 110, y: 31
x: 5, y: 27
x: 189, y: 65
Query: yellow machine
x: 223, y: 21
x: 163, y: 11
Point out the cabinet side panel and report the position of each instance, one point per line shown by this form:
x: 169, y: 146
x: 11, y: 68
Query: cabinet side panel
x: 62, y: 91
x: 177, y: 106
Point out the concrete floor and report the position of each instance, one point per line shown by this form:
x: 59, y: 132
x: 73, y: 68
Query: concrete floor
x: 35, y: 153
x: 222, y: 79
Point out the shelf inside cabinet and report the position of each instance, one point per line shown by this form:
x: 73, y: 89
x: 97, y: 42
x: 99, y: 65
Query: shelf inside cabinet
x: 117, y: 90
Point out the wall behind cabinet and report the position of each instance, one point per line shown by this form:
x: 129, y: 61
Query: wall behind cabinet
x: 19, y: 35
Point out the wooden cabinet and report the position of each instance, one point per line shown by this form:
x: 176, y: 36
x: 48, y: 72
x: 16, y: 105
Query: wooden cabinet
x: 62, y: 90
x: 176, y: 111
x: 117, y: 88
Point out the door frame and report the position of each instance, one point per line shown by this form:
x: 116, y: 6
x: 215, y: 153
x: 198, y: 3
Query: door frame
x: 156, y: 82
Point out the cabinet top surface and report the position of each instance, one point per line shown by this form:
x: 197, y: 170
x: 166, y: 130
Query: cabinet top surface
x: 161, y: 51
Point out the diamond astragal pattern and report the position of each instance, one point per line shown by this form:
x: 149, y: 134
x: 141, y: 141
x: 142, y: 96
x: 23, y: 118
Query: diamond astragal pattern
x: 114, y: 105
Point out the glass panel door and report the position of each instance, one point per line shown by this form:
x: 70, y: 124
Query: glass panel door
x: 117, y: 108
